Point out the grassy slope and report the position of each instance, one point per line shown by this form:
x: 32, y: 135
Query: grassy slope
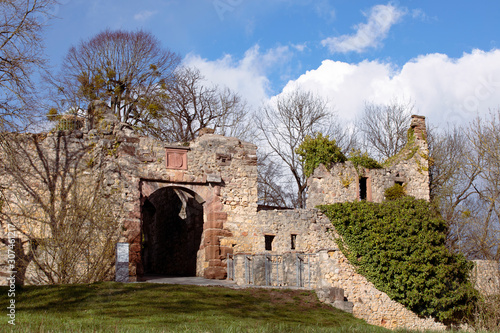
x: 172, y: 308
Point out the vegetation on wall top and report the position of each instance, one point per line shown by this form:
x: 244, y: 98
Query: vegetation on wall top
x: 399, y: 246
x: 317, y: 150
x: 360, y: 159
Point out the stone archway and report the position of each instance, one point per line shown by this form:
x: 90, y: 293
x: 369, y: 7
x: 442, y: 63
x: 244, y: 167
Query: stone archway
x: 172, y: 229
x: 165, y: 200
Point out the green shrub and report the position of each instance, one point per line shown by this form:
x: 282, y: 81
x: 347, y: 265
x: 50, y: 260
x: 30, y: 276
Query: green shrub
x: 395, y: 192
x: 363, y: 160
x: 317, y: 150
x: 399, y: 246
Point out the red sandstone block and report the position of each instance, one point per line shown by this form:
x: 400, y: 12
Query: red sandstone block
x: 212, y: 252
x: 132, y: 224
x: 133, y: 235
x: 132, y: 139
x: 215, y: 263
x: 135, y: 247
x: 211, y: 240
x: 213, y: 225
x: 217, y: 216
x: 135, y: 213
x: 224, y: 251
x: 215, y: 273
x: 226, y: 233
x: 215, y: 205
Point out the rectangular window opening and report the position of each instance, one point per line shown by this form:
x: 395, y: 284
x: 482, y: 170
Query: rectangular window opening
x: 269, y: 242
x: 293, y: 241
x: 362, y: 188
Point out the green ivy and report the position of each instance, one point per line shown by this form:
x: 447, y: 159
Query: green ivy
x: 400, y: 247
x: 363, y: 160
x: 317, y: 150
x: 394, y: 192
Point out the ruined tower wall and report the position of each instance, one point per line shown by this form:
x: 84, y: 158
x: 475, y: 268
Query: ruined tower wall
x: 410, y: 168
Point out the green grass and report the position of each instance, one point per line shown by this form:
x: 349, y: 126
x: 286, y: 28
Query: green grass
x: 117, y: 307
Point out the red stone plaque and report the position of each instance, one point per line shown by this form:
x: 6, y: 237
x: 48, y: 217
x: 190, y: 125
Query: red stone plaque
x: 176, y: 158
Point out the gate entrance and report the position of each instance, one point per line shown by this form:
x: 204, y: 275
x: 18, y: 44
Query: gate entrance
x: 171, y: 234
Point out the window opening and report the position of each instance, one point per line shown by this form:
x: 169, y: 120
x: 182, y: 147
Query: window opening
x: 293, y: 241
x: 362, y: 188
x: 269, y: 242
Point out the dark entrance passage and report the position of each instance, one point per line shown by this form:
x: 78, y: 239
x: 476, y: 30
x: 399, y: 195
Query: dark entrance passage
x: 172, y: 230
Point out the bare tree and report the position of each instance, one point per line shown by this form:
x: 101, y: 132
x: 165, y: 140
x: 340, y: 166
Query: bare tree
x: 21, y: 54
x: 130, y: 71
x: 271, y: 189
x: 484, y: 138
x: 451, y: 180
x: 285, y: 122
x: 62, y: 214
x: 465, y: 185
x: 194, y: 104
x: 384, y: 127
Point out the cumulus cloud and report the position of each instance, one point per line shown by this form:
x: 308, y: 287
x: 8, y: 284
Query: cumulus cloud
x: 443, y: 89
x: 246, y: 76
x: 368, y: 35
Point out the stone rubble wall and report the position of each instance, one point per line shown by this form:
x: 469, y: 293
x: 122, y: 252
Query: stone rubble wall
x: 409, y: 167
x: 221, y: 174
x: 486, y: 277
x: 330, y: 268
x: 370, y: 304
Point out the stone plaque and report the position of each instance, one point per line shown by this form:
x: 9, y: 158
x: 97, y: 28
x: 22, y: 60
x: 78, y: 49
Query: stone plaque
x: 176, y: 158
x: 122, y: 259
x: 213, y: 178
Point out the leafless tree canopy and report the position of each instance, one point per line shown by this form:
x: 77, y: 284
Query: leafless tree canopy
x: 384, y: 128
x: 60, y: 210
x: 194, y: 104
x: 284, y: 124
x: 21, y: 54
x: 130, y: 71
x: 465, y: 184
x: 272, y: 190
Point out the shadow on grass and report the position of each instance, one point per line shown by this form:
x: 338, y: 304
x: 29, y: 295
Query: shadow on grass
x: 160, y: 305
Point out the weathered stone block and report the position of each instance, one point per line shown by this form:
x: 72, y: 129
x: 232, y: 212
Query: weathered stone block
x: 212, y: 252
x: 213, y: 224
x: 215, y: 273
x: 224, y: 251
x: 217, y: 216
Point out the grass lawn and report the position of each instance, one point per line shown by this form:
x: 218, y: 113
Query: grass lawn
x: 147, y: 307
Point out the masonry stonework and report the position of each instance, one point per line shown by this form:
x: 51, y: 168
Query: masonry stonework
x: 205, y: 193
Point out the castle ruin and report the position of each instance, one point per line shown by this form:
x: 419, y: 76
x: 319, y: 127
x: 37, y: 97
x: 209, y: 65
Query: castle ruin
x: 193, y: 211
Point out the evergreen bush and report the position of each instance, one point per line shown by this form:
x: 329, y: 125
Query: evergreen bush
x: 399, y: 246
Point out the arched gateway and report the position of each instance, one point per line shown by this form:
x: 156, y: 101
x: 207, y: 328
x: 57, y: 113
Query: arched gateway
x: 184, y: 203
x: 180, y: 230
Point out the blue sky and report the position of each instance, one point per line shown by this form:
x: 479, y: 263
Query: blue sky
x: 442, y: 55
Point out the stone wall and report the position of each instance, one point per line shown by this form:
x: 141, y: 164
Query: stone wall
x: 486, y: 276
x: 219, y: 172
x: 329, y: 267
x: 216, y: 176
x: 343, y: 181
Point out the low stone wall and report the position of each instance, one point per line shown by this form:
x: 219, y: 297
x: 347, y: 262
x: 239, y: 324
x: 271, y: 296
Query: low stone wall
x: 370, y: 303
x: 315, y: 236
x: 486, y: 277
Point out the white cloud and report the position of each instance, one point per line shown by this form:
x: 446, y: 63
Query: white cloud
x: 368, y: 35
x: 246, y: 76
x: 144, y: 15
x: 443, y: 89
